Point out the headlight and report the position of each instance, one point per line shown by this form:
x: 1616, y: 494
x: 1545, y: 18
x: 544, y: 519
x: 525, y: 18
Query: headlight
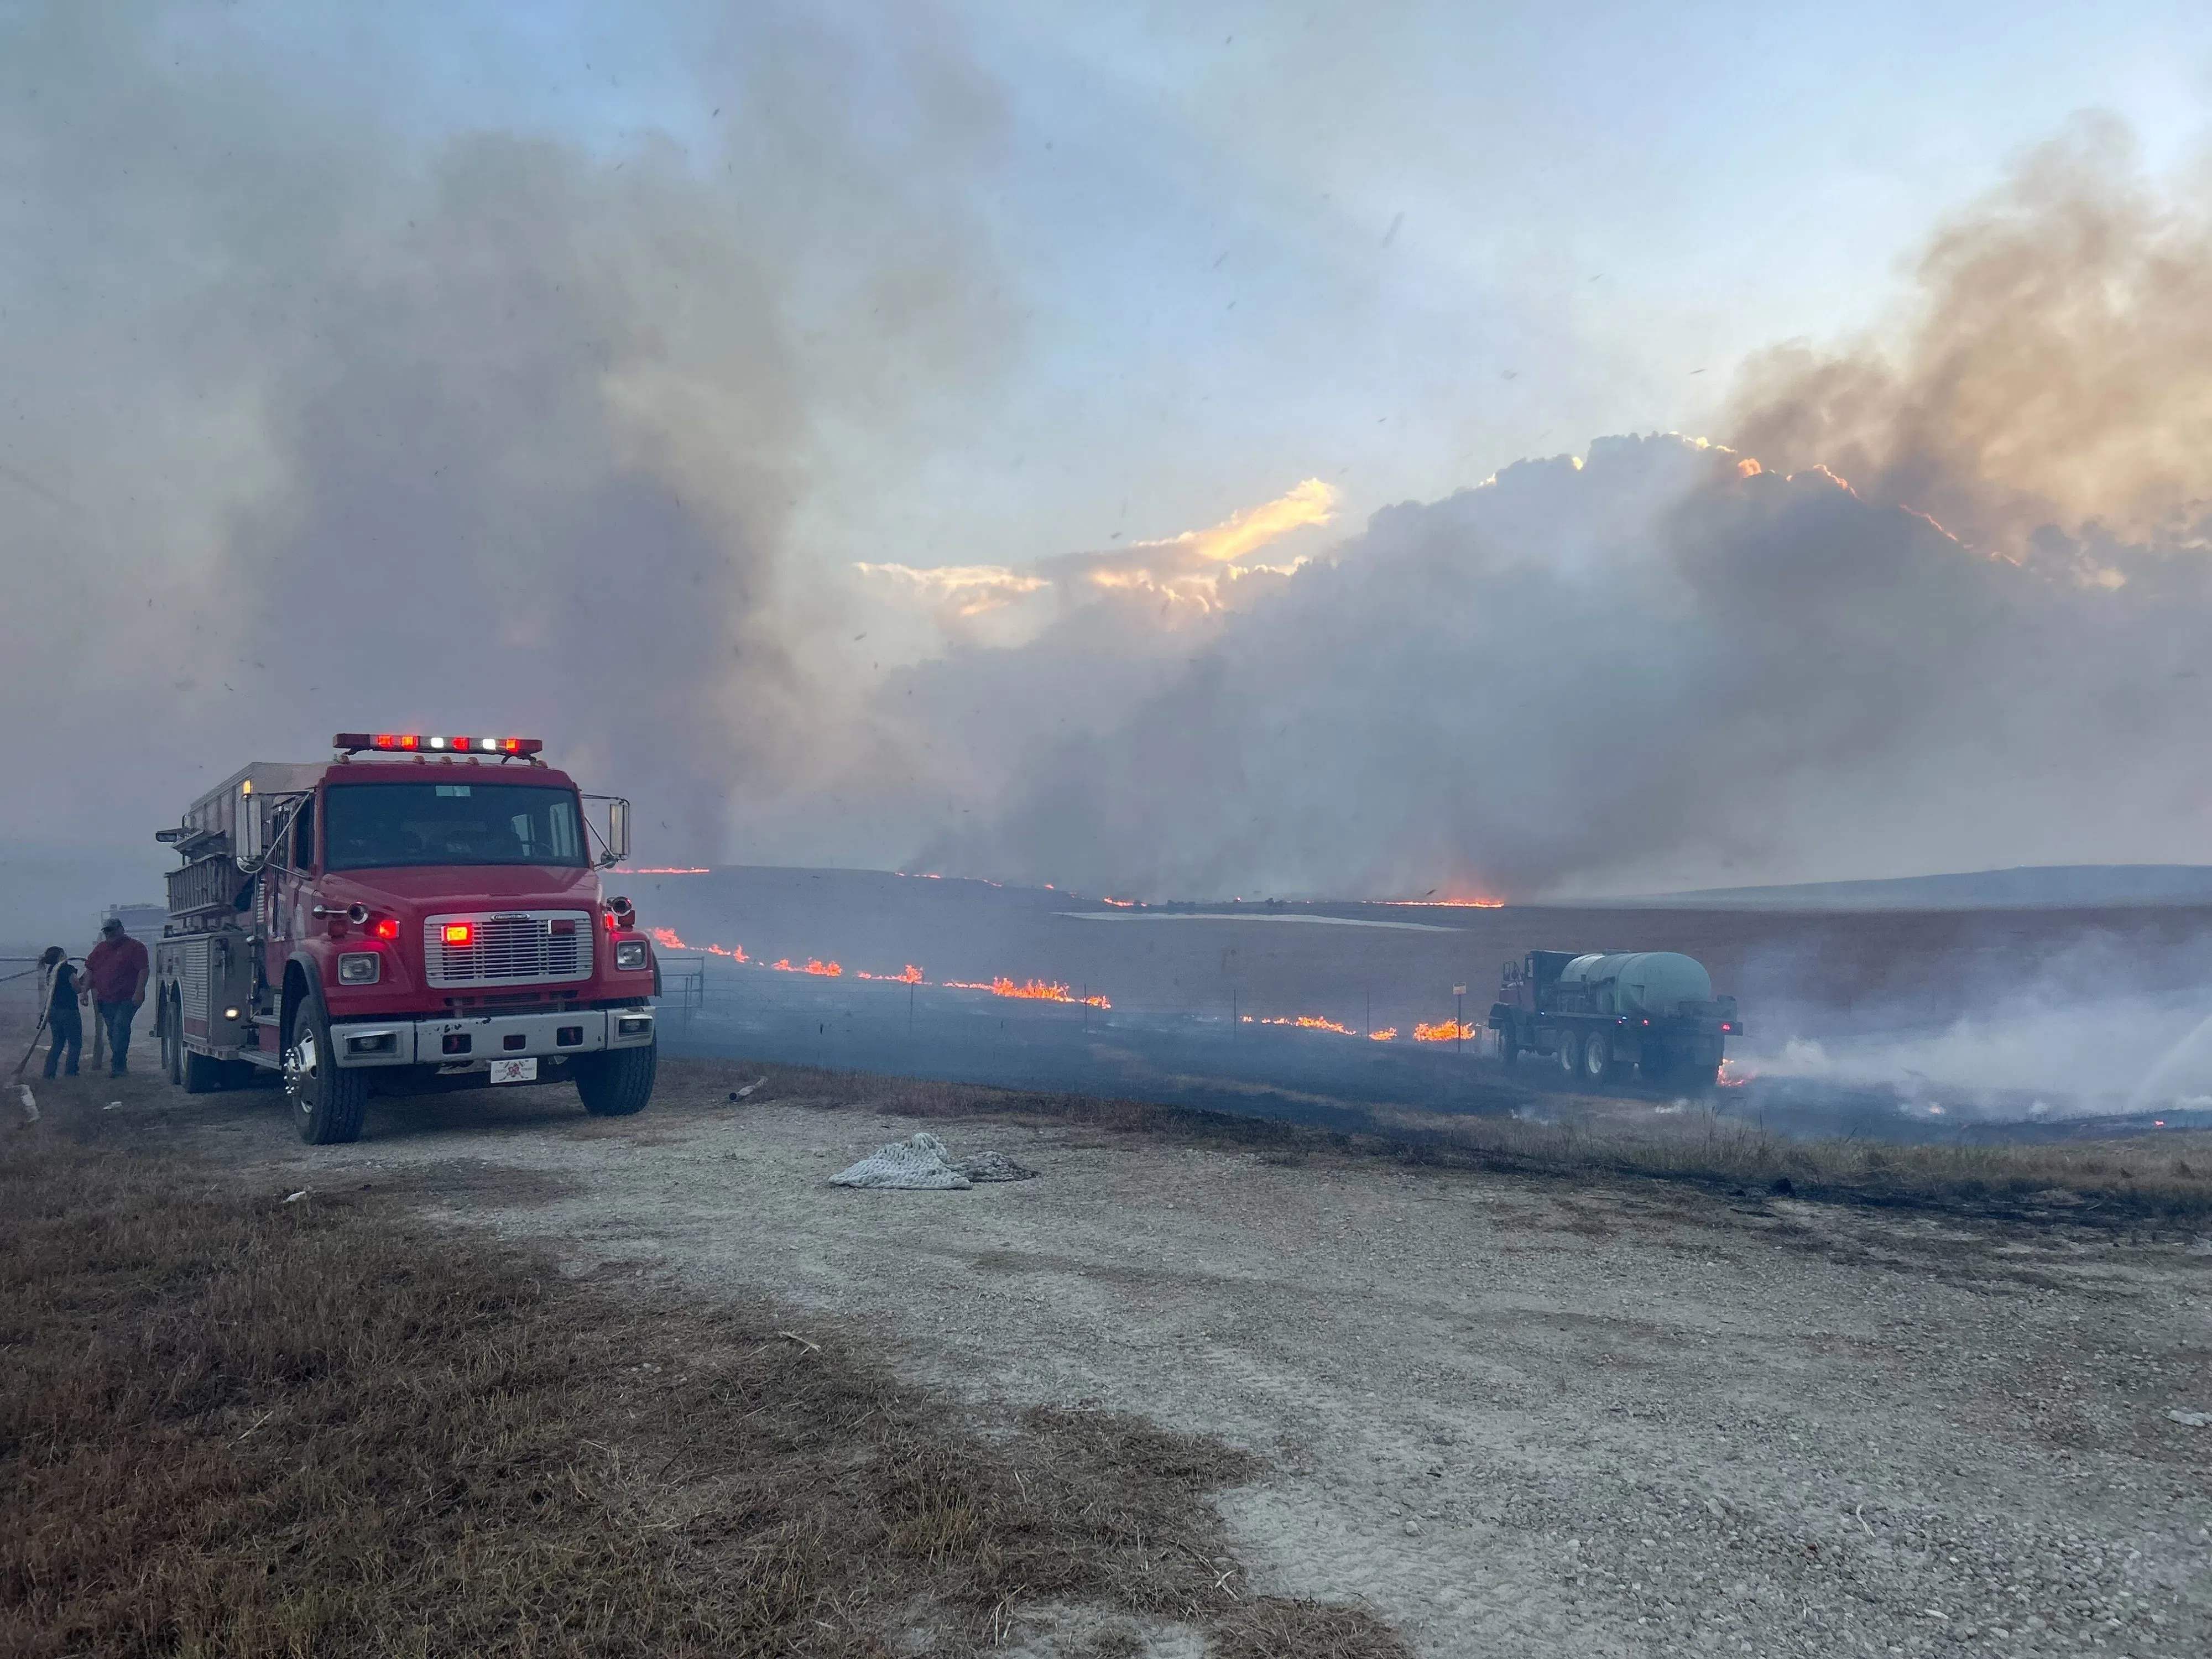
x: 360, y: 968
x: 629, y: 953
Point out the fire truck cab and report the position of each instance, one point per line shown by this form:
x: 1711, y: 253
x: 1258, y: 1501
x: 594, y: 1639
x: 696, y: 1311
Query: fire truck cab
x: 415, y: 915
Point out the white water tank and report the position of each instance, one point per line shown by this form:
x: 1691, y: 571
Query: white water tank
x: 1657, y: 983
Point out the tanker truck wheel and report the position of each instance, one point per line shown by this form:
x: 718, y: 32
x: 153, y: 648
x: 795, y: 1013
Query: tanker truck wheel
x: 328, y: 1101
x: 616, y: 1082
x: 1597, y: 1059
x: 1570, y: 1053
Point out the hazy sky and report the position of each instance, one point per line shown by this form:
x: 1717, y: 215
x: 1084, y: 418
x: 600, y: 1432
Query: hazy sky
x: 553, y: 369
x: 1235, y: 246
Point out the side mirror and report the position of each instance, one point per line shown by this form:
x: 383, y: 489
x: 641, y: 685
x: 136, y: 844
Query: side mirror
x: 617, y: 831
x: 250, y: 837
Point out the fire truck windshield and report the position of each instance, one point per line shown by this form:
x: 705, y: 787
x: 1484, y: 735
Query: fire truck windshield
x: 370, y: 826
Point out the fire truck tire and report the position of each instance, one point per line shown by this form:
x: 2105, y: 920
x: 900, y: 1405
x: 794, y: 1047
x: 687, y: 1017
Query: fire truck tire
x: 1597, y: 1058
x: 616, y: 1082
x: 1570, y: 1053
x: 328, y: 1102
x: 172, y: 1041
x: 202, y: 1075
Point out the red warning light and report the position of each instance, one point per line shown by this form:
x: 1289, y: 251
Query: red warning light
x: 409, y: 743
x: 387, y: 927
x: 458, y: 932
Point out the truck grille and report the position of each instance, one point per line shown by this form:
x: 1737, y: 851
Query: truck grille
x: 509, y: 947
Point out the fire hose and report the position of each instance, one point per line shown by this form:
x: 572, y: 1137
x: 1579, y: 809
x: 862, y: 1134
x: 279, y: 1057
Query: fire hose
x: 39, y: 1029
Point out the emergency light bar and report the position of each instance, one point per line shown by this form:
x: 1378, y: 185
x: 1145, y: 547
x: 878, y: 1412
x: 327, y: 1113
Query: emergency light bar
x: 412, y: 743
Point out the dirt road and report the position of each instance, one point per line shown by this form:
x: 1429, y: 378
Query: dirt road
x: 1516, y: 1416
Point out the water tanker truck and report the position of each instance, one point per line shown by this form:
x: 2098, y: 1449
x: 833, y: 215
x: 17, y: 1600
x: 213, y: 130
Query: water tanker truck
x: 415, y: 915
x: 1599, y: 1013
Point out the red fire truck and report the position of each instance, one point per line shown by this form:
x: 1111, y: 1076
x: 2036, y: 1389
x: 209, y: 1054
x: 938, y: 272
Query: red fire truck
x: 414, y: 915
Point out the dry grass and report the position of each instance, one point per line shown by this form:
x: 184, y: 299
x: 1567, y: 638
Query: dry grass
x: 2165, y: 1179
x: 232, y: 1425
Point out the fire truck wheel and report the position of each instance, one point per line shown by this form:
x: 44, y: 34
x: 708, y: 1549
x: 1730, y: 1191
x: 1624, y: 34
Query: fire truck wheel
x: 616, y: 1082
x: 172, y: 1041
x: 202, y: 1075
x: 1570, y: 1053
x: 328, y: 1102
x: 1597, y: 1057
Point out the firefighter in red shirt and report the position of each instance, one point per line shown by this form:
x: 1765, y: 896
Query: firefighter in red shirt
x: 117, y: 967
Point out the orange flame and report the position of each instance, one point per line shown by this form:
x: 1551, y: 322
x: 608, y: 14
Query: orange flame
x: 666, y: 938
x: 1308, y: 1021
x: 912, y: 976
x: 1733, y: 1079
x: 1120, y: 904
x: 1035, y: 990
x: 814, y: 965
x: 1387, y: 1034
x: 1448, y: 903
x: 1450, y: 1030
x: 662, y: 870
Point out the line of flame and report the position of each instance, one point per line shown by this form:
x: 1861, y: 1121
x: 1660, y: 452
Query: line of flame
x: 1035, y: 990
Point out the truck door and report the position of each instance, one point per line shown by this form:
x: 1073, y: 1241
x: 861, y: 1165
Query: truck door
x: 286, y: 895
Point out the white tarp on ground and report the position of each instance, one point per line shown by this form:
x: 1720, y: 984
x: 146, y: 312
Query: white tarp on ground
x: 924, y: 1164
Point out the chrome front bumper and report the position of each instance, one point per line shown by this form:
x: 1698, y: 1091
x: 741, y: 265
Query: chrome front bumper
x: 459, y: 1043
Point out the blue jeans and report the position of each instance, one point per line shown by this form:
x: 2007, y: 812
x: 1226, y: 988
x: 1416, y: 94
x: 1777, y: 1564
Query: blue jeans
x: 64, y: 1029
x: 116, y: 1017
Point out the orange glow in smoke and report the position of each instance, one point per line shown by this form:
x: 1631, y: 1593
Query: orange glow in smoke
x: 1035, y: 990
x: 1119, y: 904
x: 1732, y: 1077
x: 1387, y: 1034
x: 662, y: 870
x: 1450, y: 1030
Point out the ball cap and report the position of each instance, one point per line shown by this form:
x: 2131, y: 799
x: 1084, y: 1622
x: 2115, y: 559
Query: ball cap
x: 112, y: 925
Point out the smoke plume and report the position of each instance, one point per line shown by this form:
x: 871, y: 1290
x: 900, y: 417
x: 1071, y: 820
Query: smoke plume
x: 312, y: 424
x: 1942, y: 608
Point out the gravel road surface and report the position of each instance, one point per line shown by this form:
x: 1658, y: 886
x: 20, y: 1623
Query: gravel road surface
x: 1515, y: 1416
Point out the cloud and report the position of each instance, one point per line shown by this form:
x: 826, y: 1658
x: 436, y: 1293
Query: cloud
x: 961, y: 591
x: 1173, y: 579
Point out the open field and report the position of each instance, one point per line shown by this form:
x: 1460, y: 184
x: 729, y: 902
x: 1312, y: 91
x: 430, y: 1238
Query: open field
x: 1505, y: 1407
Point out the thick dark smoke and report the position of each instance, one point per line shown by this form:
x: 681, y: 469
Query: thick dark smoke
x: 1674, y: 665
x: 314, y: 425
x: 2057, y: 378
